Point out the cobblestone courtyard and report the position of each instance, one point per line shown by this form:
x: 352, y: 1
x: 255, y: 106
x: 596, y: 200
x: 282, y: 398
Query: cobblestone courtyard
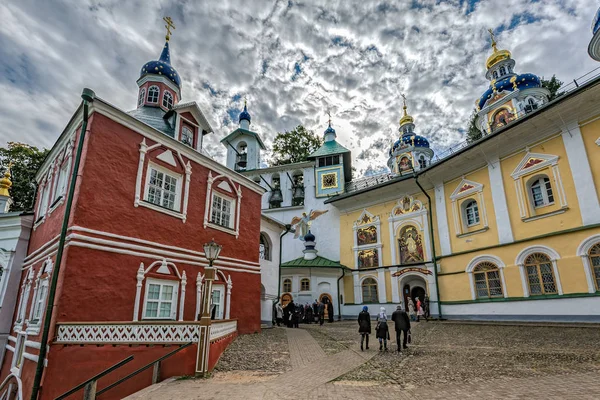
x: 445, y: 360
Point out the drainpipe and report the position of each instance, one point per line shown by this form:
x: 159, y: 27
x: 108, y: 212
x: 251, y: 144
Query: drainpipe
x: 288, y: 229
x: 434, y: 257
x: 338, y: 291
x: 88, y: 96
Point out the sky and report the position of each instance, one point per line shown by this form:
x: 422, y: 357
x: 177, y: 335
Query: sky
x: 293, y: 60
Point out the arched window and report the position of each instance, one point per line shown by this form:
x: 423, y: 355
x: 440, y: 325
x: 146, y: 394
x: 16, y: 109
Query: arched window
x: 471, y: 213
x: 187, y: 136
x: 495, y: 74
x: 540, y: 190
x: 487, y: 280
x: 142, y: 96
x: 167, y: 100
x: 369, y: 291
x: 502, y: 71
x: 422, y: 161
x: 305, y: 285
x: 594, y: 255
x: 264, y: 248
x: 540, y: 275
x: 287, y: 285
x: 153, y: 93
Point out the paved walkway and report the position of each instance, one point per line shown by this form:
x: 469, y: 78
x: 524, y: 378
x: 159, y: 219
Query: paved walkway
x: 310, y: 364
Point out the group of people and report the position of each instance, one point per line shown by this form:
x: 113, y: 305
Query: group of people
x: 401, y: 325
x: 292, y: 314
x: 418, y: 310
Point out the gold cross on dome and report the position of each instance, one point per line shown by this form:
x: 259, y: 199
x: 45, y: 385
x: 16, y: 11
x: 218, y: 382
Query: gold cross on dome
x: 404, y: 101
x: 169, y: 26
x: 493, y: 39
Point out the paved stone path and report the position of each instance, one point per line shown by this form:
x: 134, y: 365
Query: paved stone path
x: 303, y: 348
x: 310, y: 364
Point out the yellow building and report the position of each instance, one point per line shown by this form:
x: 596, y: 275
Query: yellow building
x: 511, y: 221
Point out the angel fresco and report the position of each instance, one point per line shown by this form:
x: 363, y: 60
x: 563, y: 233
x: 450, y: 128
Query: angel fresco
x: 366, y: 235
x: 411, y: 246
x: 302, y: 224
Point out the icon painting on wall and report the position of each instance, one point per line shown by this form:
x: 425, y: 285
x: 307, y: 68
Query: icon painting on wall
x: 411, y: 246
x: 368, y: 258
x: 366, y: 235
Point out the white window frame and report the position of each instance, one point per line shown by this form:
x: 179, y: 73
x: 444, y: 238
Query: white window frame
x: 142, y: 96
x: 191, y: 136
x: 283, y: 285
x: 149, y: 100
x: 164, y: 171
x: 466, y: 191
x: 220, y: 314
x: 236, y: 190
x: 471, y: 204
x: 62, y: 180
x: 43, y: 206
x: 305, y: 279
x: 37, y: 306
x: 161, y: 282
x: 546, y: 190
x: 232, y: 208
x: 23, y: 299
x: 169, y: 95
x: 19, y: 354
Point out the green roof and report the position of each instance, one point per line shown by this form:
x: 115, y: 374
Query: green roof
x: 240, y: 131
x: 329, y: 148
x: 319, y: 262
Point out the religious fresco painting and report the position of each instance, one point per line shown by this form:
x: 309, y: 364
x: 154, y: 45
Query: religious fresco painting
x: 411, y: 245
x: 407, y: 205
x: 368, y: 258
x: 405, y: 163
x: 366, y: 235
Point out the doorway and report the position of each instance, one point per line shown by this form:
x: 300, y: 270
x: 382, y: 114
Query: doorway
x: 326, y: 299
x: 218, y: 295
x: 285, y: 299
x: 413, y: 287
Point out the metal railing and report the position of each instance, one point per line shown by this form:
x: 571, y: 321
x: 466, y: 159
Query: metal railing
x: 11, y: 388
x: 90, y: 385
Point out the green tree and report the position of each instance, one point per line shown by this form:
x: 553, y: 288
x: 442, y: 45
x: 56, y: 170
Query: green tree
x: 294, y: 146
x: 473, y: 133
x: 553, y: 85
x: 26, y: 160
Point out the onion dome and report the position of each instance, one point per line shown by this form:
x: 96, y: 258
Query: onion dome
x: 510, y: 83
x: 5, y: 183
x: 329, y: 129
x: 245, y: 115
x: 162, y: 66
x: 410, y: 140
x: 497, y: 55
x: 329, y: 135
x: 309, y: 237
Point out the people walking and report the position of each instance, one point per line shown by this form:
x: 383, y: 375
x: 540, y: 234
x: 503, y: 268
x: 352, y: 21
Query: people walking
x: 364, y: 326
x: 278, y: 314
x: 381, y: 331
x: 411, y: 310
x: 426, y: 311
x: 290, y: 309
x: 316, y: 310
x: 321, y: 308
x: 401, y: 324
x: 309, y: 314
x: 419, y: 309
x: 330, y: 310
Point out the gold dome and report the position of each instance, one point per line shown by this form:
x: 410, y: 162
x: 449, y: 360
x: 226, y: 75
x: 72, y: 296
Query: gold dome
x: 497, y: 55
x: 406, y: 119
x: 5, y: 183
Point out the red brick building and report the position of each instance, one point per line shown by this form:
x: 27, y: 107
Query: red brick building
x: 146, y: 200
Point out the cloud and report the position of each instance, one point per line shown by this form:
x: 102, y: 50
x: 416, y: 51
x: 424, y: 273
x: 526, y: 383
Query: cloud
x: 293, y: 60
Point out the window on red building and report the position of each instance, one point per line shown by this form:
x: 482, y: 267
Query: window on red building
x: 163, y: 188
x: 160, y: 301
x: 221, y: 213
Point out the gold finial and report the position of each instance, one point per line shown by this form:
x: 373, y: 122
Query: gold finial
x: 493, y: 39
x: 406, y: 119
x: 169, y: 26
x: 6, y: 183
x: 412, y: 139
x: 404, y: 101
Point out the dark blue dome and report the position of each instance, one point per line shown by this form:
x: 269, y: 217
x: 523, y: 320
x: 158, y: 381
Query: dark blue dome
x: 522, y: 81
x: 162, y: 67
x: 245, y: 114
x: 407, y: 140
x: 596, y: 23
x: 309, y: 237
x: 329, y: 130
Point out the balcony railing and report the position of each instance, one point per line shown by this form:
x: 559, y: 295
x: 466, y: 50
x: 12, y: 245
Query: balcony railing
x: 139, y: 332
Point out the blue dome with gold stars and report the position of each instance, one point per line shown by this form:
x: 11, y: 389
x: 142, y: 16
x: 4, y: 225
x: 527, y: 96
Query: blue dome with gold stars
x: 245, y: 114
x: 510, y: 83
x: 162, y: 67
x: 410, y: 140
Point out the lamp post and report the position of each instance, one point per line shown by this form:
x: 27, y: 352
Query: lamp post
x: 211, y: 252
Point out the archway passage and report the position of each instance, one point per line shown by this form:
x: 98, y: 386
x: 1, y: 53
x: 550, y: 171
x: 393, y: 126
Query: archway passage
x: 413, y: 286
x: 419, y: 292
x: 326, y: 299
x: 285, y: 299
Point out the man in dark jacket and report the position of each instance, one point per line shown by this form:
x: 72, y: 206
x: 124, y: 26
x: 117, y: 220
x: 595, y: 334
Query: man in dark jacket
x: 402, y: 324
x: 321, y: 307
x: 364, y: 326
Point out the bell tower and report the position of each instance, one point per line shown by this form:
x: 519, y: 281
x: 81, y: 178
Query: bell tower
x: 243, y: 145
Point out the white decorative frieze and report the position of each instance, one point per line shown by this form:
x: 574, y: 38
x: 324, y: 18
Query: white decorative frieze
x: 127, y: 333
x: 222, y: 329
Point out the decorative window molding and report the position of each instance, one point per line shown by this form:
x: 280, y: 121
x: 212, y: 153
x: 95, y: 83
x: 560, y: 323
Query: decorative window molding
x: 369, y: 289
x: 167, y: 100
x: 19, y: 356
x: 187, y: 136
x: 23, y: 300
x: 40, y: 292
x: 142, y: 96
x: 552, y: 255
x: 287, y: 285
x: 367, y: 241
x: 222, y: 210
x: 153, y: 94
x: 166, y: 268
x: 235, y: 210
x: 199, y: 289
x: 408, y: 212
x: 163, y: 187
x: 305, y: 285
x: 160, y: 299
x: 489, y: 259
x: 183, y: 194
x: 265, y: 248
x: 546, y: 165
x: 584, y: 250
x: 466, y: 192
